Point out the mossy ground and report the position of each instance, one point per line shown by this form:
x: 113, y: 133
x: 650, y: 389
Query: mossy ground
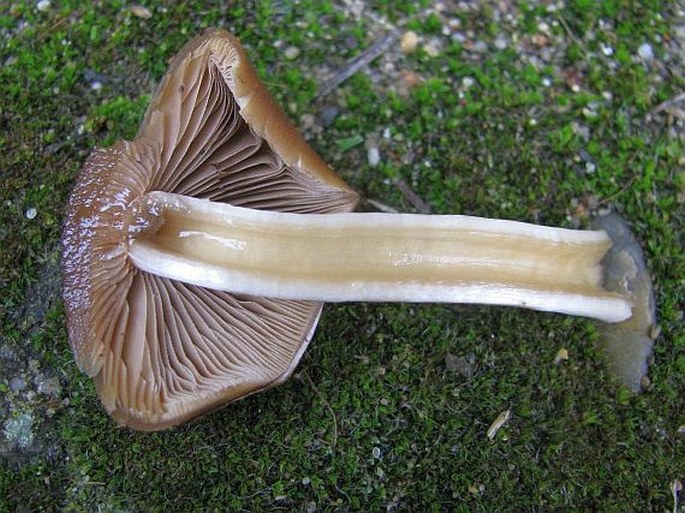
x: 374, y: 418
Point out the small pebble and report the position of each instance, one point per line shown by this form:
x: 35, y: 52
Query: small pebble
x: 459, y: 37
x: 292, y: 52
x: 18, y: 430
x: 329, y: 114
x: 580, y: 130
x: 31, y: 213
x: 17, y: 384
x: 374, y: 156
x: 307, y: 122
x: 589, y: 113
x: 376, y: 452
x: 306, y: 481
x: 500, y: 42
x: 43, y: 5
x: 679, y: 31
x: 479, y: 47
x: 645, y: 52
x: 454, y: 23
x: 7, y: 352
x: 410, y: 79
x: 607, y: 50
x: 409, y: 42
x: 49, y: 387
x: 546, y: 54
x: 431, y: 50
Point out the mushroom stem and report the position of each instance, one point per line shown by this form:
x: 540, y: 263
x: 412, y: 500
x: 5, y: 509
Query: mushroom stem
x: 373, y: 256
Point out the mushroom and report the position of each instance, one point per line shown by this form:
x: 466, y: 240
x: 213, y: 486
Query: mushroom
x: 198, y: 256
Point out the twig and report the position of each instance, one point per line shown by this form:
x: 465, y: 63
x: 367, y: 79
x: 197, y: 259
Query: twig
x: 358, y: 62
x: 676, y: 487
x: 417, y: 202
x: 669, y: 107
x: 382, y: 207
x: 327, y: 404
x: 575, y: 39
x: 497, y: 424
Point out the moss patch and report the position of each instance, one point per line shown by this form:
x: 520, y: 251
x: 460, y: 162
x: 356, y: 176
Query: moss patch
x: 531, y: 113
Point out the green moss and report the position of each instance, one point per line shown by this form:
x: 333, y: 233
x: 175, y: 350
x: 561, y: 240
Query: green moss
x: 373, y: 419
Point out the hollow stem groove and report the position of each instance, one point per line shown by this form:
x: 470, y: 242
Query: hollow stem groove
x: 374, y: 257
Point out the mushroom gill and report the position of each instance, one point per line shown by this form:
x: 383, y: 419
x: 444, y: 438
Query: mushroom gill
x: 162, y: 351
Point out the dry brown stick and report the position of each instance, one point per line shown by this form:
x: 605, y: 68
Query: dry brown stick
x: 421, y: 206
x: 357, y: 63
x: 669, y: 106
x: 310, y: 382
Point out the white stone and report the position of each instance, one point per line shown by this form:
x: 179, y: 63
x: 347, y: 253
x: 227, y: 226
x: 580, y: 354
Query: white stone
x: 43, y: 5
x: 292, y: 52
x: 409, y: 42
x: 607, y: 50
x: 31, y: 213
x: 374, y: 156
x: 645, y: 52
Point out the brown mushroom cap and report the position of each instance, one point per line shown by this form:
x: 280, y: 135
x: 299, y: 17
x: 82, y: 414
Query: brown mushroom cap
x: 161, y: 351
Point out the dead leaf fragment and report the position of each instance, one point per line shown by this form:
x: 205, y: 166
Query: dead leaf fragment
x: 476, y: 489
x: 562, y: 356
x: 141, y: 12
x: 497, y: 424
x: 462, y: 366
